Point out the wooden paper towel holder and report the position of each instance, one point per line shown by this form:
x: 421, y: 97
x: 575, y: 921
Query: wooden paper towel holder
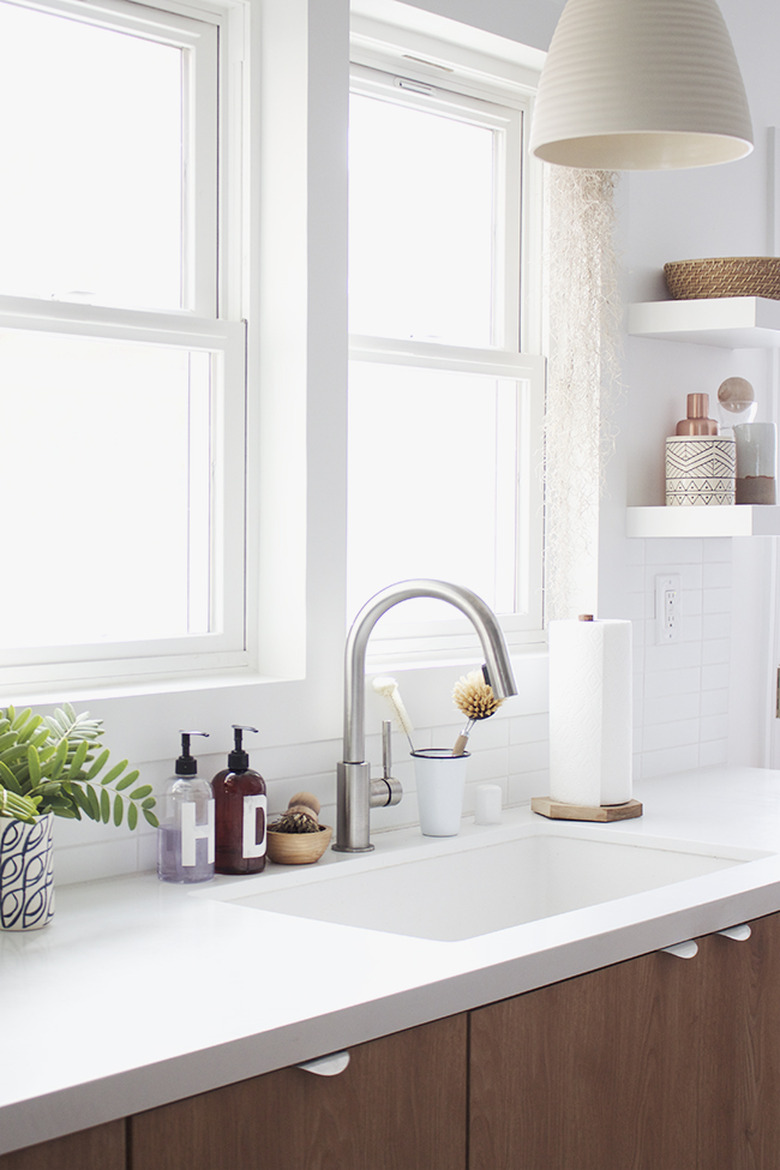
x: 560, y: 810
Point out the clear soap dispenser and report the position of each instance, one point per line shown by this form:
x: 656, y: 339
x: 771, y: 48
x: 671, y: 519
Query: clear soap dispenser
x: 185, y: 838
x: 241, y: 807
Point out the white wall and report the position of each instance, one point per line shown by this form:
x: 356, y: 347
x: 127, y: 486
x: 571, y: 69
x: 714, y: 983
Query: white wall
x: 684, y: 693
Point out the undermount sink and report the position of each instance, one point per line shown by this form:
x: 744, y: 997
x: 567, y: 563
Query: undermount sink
x: 460, y: 888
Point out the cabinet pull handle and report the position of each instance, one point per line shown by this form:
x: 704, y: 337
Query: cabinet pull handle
x: 738, y: 933
x: 327, y: 1066
x: 683, y: 950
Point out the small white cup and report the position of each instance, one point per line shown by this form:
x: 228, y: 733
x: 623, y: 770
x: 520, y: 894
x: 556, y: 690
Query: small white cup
x: 487, y: 810
x: 441, y: 780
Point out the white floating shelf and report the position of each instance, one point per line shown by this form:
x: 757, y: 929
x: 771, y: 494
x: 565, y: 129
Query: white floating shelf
x: 728, y: 322
x: 692, y: 521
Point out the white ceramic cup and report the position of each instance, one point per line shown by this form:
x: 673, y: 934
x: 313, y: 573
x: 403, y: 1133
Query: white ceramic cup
x: 441, y: 780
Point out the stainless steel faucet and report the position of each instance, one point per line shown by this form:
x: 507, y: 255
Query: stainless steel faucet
x: 356, y: 792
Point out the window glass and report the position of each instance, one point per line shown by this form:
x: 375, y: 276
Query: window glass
x: 105, y: 472
x: 421, y: 224
x: 91, y: 201
x: 438, y: 494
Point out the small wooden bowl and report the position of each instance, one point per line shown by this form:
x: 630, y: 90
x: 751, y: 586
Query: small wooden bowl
x: 298, y: 848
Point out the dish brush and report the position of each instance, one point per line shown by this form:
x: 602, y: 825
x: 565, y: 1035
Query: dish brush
x: 388, y: 687
x: 473, y: 695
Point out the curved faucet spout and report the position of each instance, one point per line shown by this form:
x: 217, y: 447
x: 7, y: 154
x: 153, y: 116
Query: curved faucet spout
x: 353, y: 828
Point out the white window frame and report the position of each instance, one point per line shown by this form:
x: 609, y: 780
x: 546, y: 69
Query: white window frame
x: 209, y: 322
x: 386, y: 60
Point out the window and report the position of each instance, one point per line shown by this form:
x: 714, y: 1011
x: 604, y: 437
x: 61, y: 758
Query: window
x: 444, y: 407
x: 121, y: 355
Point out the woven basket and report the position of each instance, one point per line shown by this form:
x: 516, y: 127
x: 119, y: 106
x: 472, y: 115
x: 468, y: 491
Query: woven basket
x: 724, y: 276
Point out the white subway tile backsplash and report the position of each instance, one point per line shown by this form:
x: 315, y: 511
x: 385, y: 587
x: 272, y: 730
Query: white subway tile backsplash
x: 523, y: 787
x: 635, y: 552
x: 715, y: 650
x: 635, y: 607
x: 716, y: 549
x: 677, y: 759
x: 668, y: 708
x: 488, y: 765
x: 715, y: 702
x: 527, y: 728
x: 717, y: 576
x: 691, y: 628
x: 529, y: 757
x: 673, y: 552
x: 672, y: 656
x: 635, y: 577
x: 691, y: 576
x: 673, y: 682
x: 714, y: 752
x: 715, y: 677
x: 87, y: 861
x: 670, y: 735
x: 711, y: 727
x: 691, y: 603
x: 717, y: 600
x: 714, y: 626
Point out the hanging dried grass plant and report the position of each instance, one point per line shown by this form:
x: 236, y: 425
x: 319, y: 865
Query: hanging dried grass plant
x: 583, y: 374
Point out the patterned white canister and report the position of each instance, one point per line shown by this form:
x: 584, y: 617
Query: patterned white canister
x: 26, y: 878
x: 700, y: 469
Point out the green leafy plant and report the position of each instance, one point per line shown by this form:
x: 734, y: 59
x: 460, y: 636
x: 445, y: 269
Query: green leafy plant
x: 54, y: 763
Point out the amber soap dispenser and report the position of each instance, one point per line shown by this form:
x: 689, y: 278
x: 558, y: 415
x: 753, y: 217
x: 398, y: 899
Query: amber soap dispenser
x: 241, y: 812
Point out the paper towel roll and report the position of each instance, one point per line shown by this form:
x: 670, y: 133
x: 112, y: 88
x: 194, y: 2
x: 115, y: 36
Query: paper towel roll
x: 590, y: 712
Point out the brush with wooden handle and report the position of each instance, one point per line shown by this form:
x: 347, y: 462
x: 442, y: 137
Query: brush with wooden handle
x: 473, y: 695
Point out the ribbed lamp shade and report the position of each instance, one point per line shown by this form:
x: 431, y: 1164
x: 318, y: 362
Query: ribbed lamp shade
x: 641, y: 85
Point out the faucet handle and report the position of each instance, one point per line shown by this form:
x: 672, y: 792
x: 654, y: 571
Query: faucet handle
x: 387, y: 748
x: 387, y: 790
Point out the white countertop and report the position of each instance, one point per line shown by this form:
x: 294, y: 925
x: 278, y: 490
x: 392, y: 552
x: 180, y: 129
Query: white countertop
x: 139, y: 992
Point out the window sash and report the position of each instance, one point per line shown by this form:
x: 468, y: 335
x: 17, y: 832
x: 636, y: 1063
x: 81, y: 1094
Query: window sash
x: 418, y: 641
x: 516, y: 270
x: 198, y: 39
x: 507, y: 124
x: 206, y: 249
x: 224, y: 342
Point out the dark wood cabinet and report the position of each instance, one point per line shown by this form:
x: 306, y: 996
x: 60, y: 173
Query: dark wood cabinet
x: 739, y: 1053
x: 99, y: 1148
x: 401, y: 1104
x: 655, y: 1062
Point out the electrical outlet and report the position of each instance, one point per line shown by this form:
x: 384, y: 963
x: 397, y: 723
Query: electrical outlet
x: 668, y: 618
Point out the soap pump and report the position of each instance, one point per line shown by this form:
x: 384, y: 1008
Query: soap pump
x: 185, y: 838
x: 241, y: 808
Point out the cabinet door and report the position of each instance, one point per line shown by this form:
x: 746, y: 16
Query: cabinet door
x: 399, y: 1105
x: 597, y: 1072
x: 650, y: 1064
x: 100, y: 1148
x: 739, y: 1050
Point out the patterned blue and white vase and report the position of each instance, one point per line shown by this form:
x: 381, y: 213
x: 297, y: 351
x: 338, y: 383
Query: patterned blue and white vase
x: 26, y: 873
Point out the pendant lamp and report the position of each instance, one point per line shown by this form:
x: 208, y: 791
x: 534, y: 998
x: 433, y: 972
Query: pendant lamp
x: 641, y: 85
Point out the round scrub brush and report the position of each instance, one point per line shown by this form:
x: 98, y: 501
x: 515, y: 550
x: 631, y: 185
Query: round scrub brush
x: 473, y: 695
x: 302, y: 815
